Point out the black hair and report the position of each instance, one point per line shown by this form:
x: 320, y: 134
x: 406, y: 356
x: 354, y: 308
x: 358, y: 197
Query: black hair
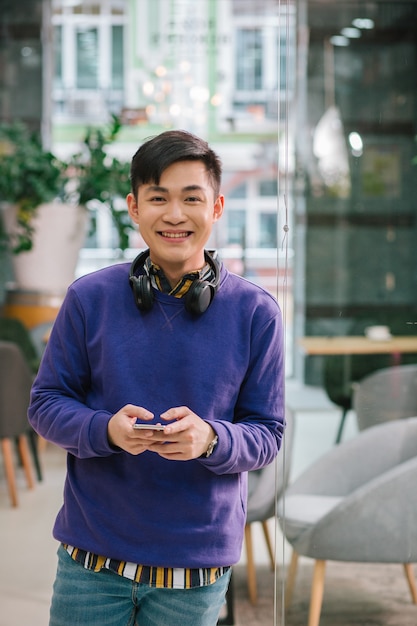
x: 159, y: 152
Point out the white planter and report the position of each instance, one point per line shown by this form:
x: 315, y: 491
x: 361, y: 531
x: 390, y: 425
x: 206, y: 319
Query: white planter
x: 59, y: 233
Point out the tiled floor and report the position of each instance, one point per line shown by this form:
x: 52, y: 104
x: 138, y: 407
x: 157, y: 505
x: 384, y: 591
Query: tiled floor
x: 28, y: 549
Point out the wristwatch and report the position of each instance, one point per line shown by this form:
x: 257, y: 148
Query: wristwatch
x: 211, y: 447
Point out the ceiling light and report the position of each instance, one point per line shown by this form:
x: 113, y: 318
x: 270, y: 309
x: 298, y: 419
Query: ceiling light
x: 339, y: 40
x: 364, y: 23
x: 352, y: 33
x: 356, y: 144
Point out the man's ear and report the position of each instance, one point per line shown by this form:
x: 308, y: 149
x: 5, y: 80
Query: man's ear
x: 218, y: 208
x: 132, y: 207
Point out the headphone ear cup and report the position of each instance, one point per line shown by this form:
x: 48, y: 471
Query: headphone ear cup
x: 142, y: 292
x: 198, y: 298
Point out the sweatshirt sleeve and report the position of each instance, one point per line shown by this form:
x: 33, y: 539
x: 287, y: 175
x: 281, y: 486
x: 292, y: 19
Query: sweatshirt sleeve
x: 254, y: 437
x: 58, y: 409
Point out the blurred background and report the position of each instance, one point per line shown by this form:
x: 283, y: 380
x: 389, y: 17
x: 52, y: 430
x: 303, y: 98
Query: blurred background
x: 311, y: 105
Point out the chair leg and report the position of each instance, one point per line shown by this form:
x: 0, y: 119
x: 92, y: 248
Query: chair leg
x: 292, y: 573
x: 24, y: 455
x: 6, y: 446
x: 317, y: 589
x: 341, y: 426
x: 34, y: 443
x: 268, y: 544
x: 250, y: 567
x: 409, y: 573
x: 42, y: 443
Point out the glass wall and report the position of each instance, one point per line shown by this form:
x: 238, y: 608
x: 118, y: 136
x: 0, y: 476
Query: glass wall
x: 356, y: 226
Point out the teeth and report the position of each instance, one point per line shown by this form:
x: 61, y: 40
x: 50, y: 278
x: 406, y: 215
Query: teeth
x: 174, y: 235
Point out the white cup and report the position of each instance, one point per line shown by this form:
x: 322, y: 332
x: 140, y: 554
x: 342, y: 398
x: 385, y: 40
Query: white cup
x: 378, y: 333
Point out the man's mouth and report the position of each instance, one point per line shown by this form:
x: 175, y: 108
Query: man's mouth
x: 181, y: 235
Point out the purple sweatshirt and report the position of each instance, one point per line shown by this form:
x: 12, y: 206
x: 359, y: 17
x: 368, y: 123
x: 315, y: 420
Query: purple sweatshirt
x: 226, y: 365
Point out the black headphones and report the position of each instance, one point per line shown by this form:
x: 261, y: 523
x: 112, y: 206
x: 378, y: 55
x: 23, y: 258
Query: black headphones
x: 197, y: 299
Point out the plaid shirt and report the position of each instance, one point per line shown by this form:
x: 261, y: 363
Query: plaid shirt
x: 158, y: 577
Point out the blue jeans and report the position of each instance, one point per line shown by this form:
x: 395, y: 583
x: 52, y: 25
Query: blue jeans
x: 82, y: 597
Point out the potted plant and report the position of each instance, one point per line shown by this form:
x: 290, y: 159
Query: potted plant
x: 40, y: 230
x: 29, y: 177
x: 40, y: 193
x: 97, y: 176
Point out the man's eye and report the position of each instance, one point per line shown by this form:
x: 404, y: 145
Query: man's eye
x: 193, y: 199
x: 157, y: 199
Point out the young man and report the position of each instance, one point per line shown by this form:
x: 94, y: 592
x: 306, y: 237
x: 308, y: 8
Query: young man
x: 153, y: 520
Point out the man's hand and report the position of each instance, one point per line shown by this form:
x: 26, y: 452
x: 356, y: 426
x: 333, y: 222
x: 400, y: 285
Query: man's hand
x: 186, y: 438
x: 121, y: 433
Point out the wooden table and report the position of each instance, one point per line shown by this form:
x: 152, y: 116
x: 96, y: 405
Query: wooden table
x: 348, y: 346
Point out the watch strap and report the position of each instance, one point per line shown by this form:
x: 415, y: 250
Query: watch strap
x: 211, y: 447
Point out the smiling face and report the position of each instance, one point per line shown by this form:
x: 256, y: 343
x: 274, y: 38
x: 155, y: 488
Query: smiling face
x: 176, y: 217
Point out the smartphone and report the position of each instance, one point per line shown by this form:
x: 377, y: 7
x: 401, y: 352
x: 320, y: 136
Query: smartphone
x: 148, y: 426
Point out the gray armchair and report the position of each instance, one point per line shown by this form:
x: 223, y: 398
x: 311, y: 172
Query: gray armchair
x: 357, y: 503
x: 15, y: 385
x: 385, y: 395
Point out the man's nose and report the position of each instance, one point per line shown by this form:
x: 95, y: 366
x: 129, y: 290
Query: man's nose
x: 174, y: 211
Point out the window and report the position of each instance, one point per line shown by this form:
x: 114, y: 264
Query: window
x: 117, y: 57
x: 264, y: 73
x: 268, y: 188
x: 238, y: 192
x: 267, y: 230
x: 58, y: 56
x: 87, y: 58
x: 249, y: 59
x: 236, y: 226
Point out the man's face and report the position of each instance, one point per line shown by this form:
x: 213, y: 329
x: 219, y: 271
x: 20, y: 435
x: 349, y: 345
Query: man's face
x: 175, y: 218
